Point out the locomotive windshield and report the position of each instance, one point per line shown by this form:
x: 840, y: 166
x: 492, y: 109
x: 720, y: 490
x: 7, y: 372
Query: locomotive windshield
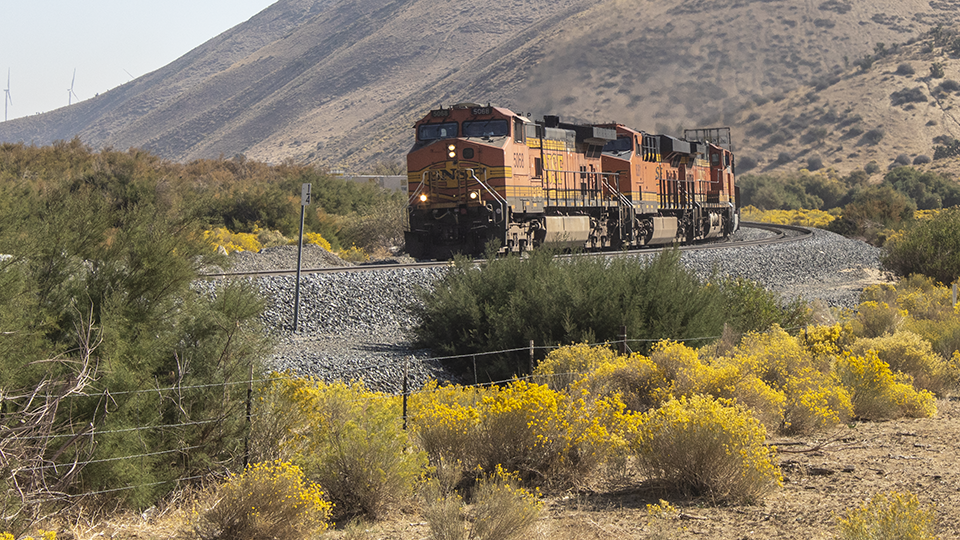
x: 430, y: 132
x: 622, y: 144
x: 486, y: 128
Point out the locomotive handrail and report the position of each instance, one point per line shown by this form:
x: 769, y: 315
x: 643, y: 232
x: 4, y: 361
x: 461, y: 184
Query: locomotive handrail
x: 499, y: 198
x: 423, y: 181
x: 621, y: 198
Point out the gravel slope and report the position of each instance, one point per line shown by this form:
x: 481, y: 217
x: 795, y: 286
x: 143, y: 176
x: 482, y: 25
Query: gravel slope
x: 353, y: 325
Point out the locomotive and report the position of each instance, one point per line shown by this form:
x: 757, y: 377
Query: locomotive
x: 481, y: 174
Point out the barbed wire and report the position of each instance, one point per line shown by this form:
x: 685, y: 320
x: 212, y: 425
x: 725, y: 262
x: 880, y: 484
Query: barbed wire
x: 367, y: 367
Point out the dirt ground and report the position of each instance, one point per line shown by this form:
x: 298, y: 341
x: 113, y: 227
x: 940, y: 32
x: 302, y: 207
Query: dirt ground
x: 824, y: 476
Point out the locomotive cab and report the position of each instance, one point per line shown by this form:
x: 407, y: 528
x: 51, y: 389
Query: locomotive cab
x: 467, y: 172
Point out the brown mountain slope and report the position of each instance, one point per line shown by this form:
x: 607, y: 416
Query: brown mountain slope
x: 897, y: 108
x: 339, y: 82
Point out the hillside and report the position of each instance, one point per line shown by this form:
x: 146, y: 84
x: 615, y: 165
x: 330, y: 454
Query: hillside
x: 339, y: 82
x: 897, y: 107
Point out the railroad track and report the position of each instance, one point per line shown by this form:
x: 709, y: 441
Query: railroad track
x: 780, y: 233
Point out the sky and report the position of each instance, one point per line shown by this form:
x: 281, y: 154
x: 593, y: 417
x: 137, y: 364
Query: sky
x: 107, y: 42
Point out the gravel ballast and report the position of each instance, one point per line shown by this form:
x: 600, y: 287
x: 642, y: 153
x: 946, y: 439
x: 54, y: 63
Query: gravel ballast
x: 353, y: 325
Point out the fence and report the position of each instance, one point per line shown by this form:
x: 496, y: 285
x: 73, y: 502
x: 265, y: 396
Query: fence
x: 44, y: 441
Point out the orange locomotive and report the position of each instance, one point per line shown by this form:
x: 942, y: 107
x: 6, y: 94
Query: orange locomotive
x: 479, y: 174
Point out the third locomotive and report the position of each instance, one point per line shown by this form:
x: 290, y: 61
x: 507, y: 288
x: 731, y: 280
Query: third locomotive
x: 479, y: 174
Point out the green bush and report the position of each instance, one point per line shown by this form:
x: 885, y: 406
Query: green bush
x: 928, y: 190
x: 929, y: 247
x: 504, y: 303
x: 874, y: 212
x: 105, y: 247
x: 803, y: 190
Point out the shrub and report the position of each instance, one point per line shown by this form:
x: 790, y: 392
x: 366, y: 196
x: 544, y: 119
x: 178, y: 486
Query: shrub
x: 804, y: 218
x: 639, y: 383
x: 874, y: 319
x: 891, y: 516
x: 267, y: 500
x: 565, y: 365
x: 950, y: 148
x: 545, y: 436
x: 878, y: 394
x: 347, y: 439
x: 905, y: 68
x: 701, y: 446
x: 501, y: 509
x: 936, y: 70
x: 871, y: 167
x: 930, y: 247
x: 874, y: 136
x: 746, y: 164
x: 928, y: 190
x: 907, y: 95
x: 506, y: 302
x: 874, y: 210
x: 908, y: 353
x: 949, y: 85
x: 814, y: 163
x: 812, y: 399
x: 921, y: 160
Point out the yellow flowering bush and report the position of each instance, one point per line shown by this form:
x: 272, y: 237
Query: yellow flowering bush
x: 704, y: 446
x: 907, y: 352
x: 875, y: 319
x: 446, y: 422
x: 922, y: 298
x: 894, y: 515
x: 230, y: 242
x: 812, y: 397
x: 44, y: 535
x: 824, y: 341
x: 635, y: 378
x: 543, y: 435
x: 877, y: 393
x: 267, y: 500
x: 348, y: 439
x: 354, y: 254
x: 804, y: 218
x: 569, y: 363
x: 257, y: 240
x: 316, y: 238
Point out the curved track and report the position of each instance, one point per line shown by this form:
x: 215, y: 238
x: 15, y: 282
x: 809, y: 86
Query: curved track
x: 780, y: 233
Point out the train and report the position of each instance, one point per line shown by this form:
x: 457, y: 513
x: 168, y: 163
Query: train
x: 484, y: 178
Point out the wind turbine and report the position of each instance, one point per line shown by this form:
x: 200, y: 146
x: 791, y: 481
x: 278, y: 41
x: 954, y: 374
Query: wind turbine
x: 7, y: 100
x: 70, y: 93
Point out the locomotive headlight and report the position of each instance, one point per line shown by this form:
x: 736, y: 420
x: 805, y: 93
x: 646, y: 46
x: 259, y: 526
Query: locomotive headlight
x: 474, y: 195
x: 451, y: 151
x: 423, y: 197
